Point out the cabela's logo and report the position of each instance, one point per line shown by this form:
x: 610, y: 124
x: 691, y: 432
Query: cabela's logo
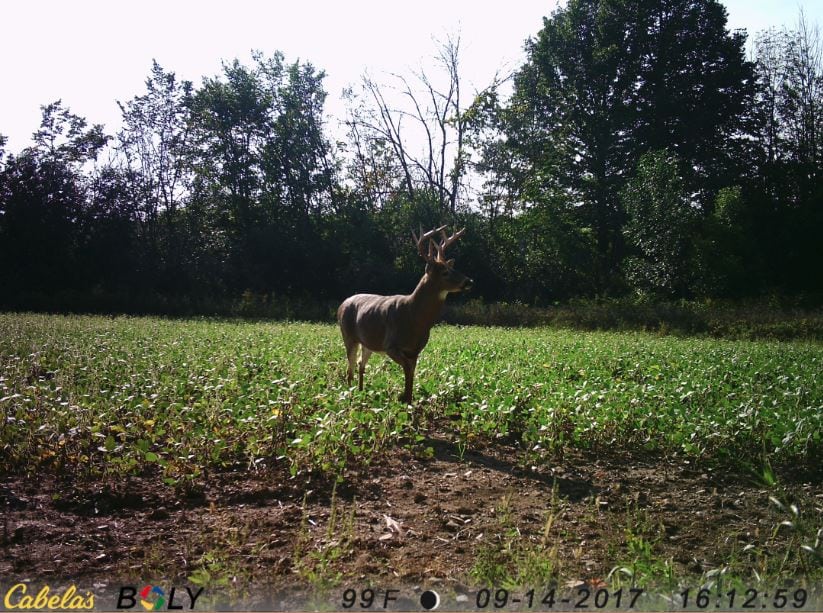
x: 155, y: 598
x: 19, y: 597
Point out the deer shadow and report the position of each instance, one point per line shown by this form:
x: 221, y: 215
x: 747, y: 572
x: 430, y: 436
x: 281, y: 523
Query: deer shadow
x: 572, y: 489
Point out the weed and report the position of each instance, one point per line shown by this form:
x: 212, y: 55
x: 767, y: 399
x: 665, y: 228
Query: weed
x: 512, y: 561
x: 642, y: 566
x: 317, y: 566
x: 792, y: 548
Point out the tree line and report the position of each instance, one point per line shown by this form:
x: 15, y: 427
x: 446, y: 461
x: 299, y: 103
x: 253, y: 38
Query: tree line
x: 639, y: 151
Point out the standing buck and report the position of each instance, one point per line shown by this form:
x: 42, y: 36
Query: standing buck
x: 399, y: 325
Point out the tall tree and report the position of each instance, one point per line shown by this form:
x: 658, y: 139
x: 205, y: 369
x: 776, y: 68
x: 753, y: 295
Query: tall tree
x: 229, y: 122
x: 786, y: 216
x: 695, y: 87
x: 790, y: 100
x: 571, y: 117
x: 43, y: 216
x: 263, y: 167
x: 154, y: 146
x: 607, y: 80
x: 297, y: 162
x: 154, y: 140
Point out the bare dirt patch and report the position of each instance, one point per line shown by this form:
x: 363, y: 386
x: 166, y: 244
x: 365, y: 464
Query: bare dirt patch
x: 405, y: 519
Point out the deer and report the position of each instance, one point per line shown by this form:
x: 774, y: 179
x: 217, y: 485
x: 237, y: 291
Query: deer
x: 399, y: 325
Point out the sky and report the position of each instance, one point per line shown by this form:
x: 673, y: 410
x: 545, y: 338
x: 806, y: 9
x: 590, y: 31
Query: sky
x: 92, y: 53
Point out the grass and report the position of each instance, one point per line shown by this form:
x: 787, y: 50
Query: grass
x: 317, y: 566
x: 99, y: 396
x: 511, y: 561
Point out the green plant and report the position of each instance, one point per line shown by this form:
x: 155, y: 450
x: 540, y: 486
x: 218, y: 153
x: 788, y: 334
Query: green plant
x: 178, y: 399
x: 317, y: 566
x: 512, y: 561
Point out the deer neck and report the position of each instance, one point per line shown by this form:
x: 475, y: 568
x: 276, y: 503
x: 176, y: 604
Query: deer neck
x: 427, y: 300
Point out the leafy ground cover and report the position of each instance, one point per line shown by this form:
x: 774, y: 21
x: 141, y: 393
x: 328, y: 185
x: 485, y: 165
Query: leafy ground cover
x: 530, y: 456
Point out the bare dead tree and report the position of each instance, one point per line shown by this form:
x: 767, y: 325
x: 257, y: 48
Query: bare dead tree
x: 807, y: 62
x: 420, y: 121
x: 790, y: 68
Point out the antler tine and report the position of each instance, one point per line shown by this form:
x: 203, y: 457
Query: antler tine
x: 433, y: 254
x: 421, y: 241
x: 448, y: 240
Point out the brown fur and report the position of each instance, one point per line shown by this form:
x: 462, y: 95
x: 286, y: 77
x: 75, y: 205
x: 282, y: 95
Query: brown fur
x: 397, y: 325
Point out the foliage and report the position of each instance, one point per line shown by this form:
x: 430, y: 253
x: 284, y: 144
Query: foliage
x: 93, y: 396
x: 595, y: 95
x: 44, y: 223
x: 783, y: 204
x: 766, y: 319
x: 660, y: 226
x: 262, y: 172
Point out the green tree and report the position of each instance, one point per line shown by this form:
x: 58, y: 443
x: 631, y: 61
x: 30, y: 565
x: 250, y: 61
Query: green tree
x: 229, y: 123
x: 264, y: 173
x: 660, y: 227
x: 154, y: 141
x: 64, y: 137
x: 297, y: 160
x: 43, y: 205
x: 606, y: 81
x: 695, y: 88
x: 726, y: 261
x: 154, y: 145
x: 570, y: 119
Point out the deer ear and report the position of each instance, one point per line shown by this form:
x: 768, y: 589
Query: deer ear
x: 435, y: 266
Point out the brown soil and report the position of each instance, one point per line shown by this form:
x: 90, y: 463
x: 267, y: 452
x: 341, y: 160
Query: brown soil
x: 405, y: 520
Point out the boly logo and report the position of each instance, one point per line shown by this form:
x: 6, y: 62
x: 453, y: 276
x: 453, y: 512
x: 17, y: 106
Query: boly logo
x: 154, y: 598
x: 19, y: 598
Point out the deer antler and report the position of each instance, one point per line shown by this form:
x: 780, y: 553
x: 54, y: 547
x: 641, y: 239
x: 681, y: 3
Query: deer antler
x: 437, y: 251
x: 441, y: 248
x: 421, y: 241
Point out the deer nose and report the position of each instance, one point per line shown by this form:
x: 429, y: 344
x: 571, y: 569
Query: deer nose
x: 467, y: 284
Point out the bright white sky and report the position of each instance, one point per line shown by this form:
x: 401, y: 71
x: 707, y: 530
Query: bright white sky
x: 91, y: 53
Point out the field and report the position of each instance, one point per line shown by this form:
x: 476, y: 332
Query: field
x: 231, y: 454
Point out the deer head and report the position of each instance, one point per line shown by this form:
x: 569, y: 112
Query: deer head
x: 440, y: 270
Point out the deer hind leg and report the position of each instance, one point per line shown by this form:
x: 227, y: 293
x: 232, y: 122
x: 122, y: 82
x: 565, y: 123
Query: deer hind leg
x: 351, y: 354
x: 365, y: 354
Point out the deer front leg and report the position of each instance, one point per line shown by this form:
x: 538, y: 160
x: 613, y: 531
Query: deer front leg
x: 408, y: 364
x: 408, y: 371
